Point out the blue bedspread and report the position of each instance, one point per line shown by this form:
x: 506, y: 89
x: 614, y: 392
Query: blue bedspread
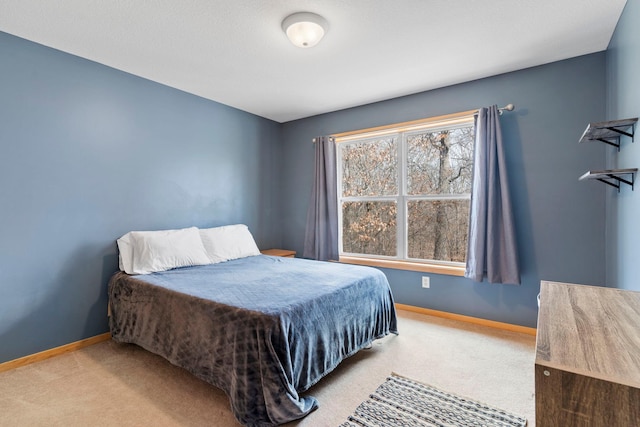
x: 263, y: 329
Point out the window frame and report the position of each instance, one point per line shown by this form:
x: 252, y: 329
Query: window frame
x: 402, y: 132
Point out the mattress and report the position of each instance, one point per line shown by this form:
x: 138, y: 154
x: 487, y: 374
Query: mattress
x: 263, y: 329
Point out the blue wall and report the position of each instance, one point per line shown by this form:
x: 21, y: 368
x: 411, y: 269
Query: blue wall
x: 89, y: 153
x: 623, y: 101
x: 560, y: 221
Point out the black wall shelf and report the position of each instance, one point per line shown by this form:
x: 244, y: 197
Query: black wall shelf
x: 610, y: 132
x: 613, y: 177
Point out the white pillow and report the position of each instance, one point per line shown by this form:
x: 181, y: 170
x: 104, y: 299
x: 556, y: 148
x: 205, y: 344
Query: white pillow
x: 228, y: 242
x: 125, y: 253
x: 152, y: 251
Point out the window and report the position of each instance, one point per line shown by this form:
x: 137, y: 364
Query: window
x: 404, y: 193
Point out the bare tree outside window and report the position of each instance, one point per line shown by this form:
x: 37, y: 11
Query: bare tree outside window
x: 369, y: 228
x: 370, y: 168
x: 440, y: 162
x: 437, y: 229
x: 407, y: 195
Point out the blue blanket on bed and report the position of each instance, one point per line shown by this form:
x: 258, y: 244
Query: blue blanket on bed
x: 263, y: 329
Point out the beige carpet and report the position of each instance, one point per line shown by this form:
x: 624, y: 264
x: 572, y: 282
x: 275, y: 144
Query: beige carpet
x: 110, y: 384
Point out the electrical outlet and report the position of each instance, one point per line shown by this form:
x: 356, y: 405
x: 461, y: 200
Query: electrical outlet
x: 425, y: 282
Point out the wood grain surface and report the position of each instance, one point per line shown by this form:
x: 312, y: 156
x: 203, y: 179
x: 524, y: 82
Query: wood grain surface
x: 587, y: 367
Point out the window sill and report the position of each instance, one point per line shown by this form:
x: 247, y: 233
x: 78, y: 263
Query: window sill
x: 405, y: 265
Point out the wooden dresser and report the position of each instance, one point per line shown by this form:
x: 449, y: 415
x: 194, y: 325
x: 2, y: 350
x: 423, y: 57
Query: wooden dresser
x: 587, y: 369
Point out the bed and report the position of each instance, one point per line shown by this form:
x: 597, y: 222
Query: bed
x: 262, y: 328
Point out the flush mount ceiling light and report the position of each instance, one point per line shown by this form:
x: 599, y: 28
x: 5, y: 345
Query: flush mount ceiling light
x: 305, y: 29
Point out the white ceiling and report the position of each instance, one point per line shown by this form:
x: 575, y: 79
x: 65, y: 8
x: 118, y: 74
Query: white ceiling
x: 235, y: 52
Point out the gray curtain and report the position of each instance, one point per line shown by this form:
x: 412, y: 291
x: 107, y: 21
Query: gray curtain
x: 492, y: 242
x: 321, y: 237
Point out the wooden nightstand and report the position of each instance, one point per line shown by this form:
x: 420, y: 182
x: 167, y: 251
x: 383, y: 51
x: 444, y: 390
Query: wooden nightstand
x: 279, y: 252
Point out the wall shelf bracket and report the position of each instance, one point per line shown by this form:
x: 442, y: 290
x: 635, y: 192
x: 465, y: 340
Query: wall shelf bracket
x: 613, y: 177
x: 610, y: 132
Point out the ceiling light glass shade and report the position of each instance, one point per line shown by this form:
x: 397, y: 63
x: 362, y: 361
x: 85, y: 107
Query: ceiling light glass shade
x: 305, y: 29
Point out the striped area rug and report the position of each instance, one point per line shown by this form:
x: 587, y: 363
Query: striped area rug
x: 401, y: 402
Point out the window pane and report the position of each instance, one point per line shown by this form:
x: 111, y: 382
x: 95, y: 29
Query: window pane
x: 438, y: 229
x: 440, y: 162
x: 370, y: 168
x: 369, y: 228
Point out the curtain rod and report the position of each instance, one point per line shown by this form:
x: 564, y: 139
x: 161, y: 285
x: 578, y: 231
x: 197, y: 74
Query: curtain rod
x: 508, y: 107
